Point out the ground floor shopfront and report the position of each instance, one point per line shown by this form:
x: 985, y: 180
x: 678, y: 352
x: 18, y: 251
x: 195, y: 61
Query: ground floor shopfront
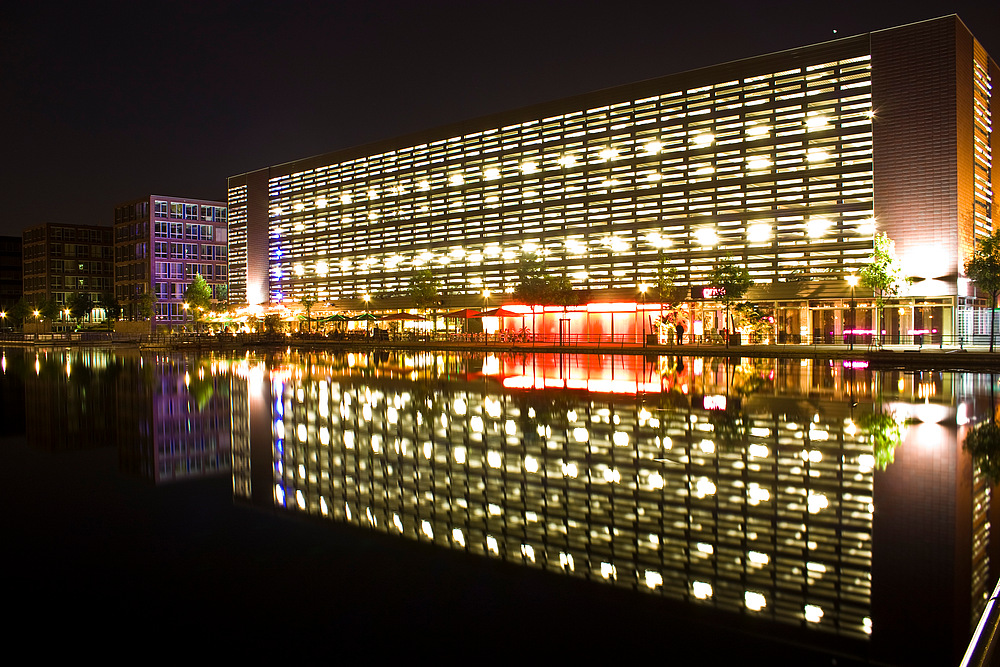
x: 902, y: 321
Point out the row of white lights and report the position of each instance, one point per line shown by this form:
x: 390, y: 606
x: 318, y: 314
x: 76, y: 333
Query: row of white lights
x: 701, y: 140
x: 816, y: 227
x: 701, y: 590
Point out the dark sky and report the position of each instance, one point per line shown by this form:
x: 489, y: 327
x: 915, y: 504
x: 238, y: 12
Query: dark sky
x: 103, y: 102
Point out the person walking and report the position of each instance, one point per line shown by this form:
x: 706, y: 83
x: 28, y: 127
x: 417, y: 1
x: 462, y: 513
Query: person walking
x: 680, y: 333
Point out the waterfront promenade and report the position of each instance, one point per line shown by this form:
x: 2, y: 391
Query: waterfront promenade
x: 942, y: 355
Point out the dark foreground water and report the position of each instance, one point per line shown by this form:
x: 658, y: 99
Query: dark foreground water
x: 493, y: 508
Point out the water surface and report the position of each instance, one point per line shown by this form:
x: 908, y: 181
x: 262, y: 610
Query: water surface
x: 714, y: 507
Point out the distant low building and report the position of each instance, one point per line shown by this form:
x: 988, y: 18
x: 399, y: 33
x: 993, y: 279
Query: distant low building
x: 161, y: 244
x: 61, y: 260
x: 11, y: 272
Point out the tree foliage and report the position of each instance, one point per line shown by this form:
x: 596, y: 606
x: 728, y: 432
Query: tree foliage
x: 198, y: 294
x: 307, y: 303
x: 198, y: 297
x: 883, y: 273
x: 112, y: 309
x: 425, y: 289
x: 20, y: 312
x: 537, y: 286
x: 885, y: 432
x: 144, y: 306
x: 734, y: 281
x: 48, y: 309
x: 80, y: 304
x: 668, y: 292
x: 983, y: 268
x: 983, y: 443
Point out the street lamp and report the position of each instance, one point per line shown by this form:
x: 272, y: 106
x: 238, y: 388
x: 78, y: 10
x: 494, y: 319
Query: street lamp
x: 852, y: 280
x: 486, y: 299
x: 367, y: 297
x: 642, y: 289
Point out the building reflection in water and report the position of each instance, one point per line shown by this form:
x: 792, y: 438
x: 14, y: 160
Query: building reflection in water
x: 169, y: 416
x: 174, y: 418
x: 741, y: 486
x: 825, y: 498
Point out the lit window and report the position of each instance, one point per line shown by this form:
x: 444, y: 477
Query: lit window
x: 706, y: 236
x: 816, y: 122
x: 758, y: 163
x: 657, y: 240
x: 617, y: 244
x: 456, y: 179
x: 653, y: 147
x: 702, y: 140
x: 757, y: 130
x: 491, y: 174
x: 754, y: 601
x: 529, y: 167
x: 701, y: 590
x: 758, y: 233
x: 345, y: 198
x: 818, y: 227
x: 817, y: 155
x: 608, y: 154
x: 567, y: 161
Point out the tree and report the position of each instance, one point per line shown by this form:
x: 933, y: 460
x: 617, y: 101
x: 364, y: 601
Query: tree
x: 984, y: 270
x: 307, y: 303
x: 883, y: 275
x: 49, y: 309
x: 668, y: 292
x: 537, y: 286
x: 112, y: 309
x: 198, y: 297
x: 425, y: 289
x: 144, y: 306
x: 80, y: 304
x: 222, y: 294
x: 20, y: 312
x: 425, y: 292
x: 734, y: 281
x: 983, y: 443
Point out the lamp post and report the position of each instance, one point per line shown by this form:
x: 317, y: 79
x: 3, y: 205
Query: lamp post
x: 184, y: 321
x: 36, y: 313
x: 852, y: 280
x: 642, y: 290
x: 367, y: 297
x: 486, y: 299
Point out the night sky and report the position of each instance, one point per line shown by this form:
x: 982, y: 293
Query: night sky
x: 102, y: 102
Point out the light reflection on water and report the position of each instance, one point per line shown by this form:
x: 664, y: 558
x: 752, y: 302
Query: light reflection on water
x: 745, y: 486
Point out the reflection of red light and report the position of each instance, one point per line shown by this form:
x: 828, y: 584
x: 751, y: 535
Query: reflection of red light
x: 716, y: 402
